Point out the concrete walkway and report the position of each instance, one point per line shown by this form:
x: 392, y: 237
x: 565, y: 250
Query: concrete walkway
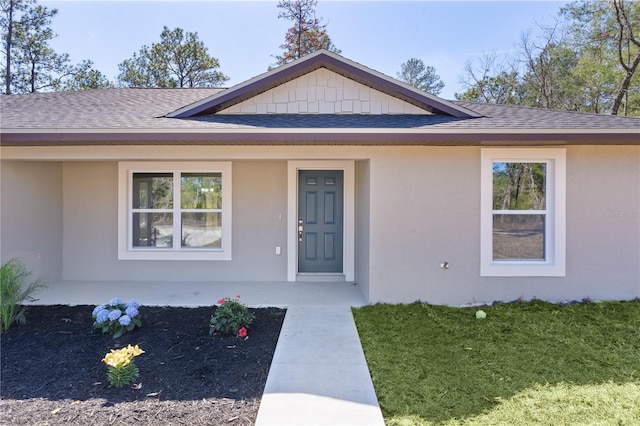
x: 318, y: 375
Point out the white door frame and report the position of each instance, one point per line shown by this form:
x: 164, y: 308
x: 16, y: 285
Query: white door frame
x: 348, y: 167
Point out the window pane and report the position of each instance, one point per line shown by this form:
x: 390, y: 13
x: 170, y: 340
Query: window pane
x: 518, y: 237
x: 519, y: 186
x: 201, y: 190
x: 202, y: 230
x: 152, y: 191
x: 153, y: 230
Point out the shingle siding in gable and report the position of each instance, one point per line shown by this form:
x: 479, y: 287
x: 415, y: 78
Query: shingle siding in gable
x: 323, y: 92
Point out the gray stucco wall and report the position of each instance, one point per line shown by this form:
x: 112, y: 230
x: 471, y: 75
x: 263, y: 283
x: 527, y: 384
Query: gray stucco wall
x: 416, y: 207
x: 31, y: 216
x: 259, y: 225
x: 424, y: 210
x: 362, y: 222
x: 433, y: 195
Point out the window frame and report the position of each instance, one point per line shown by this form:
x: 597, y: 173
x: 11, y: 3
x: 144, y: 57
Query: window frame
x: 126, y: 250
x: 554, y: 264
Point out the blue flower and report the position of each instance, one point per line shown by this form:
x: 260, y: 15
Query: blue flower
x: 115, y: 301
x: 131, y: 312
x: 124, y: 320
x: 97, y: 309
x: 115, y: 314
x: 102, y: 316
x: 133, y: 304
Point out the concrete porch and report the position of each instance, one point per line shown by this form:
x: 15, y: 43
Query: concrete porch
x: 191, y: 294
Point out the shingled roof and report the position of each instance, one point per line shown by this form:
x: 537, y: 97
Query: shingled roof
x: 189, y: 116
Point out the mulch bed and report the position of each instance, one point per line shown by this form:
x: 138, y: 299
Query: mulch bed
x: 53, y: 374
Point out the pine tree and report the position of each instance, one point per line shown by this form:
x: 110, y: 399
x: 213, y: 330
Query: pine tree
x: 307, y: 34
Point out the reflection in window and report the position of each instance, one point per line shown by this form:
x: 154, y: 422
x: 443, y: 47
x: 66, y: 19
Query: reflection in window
x: 199, y: 214
x: 518, y: 237
x: 201, y: 190
x: 519, y: 211
x: 519, y: 186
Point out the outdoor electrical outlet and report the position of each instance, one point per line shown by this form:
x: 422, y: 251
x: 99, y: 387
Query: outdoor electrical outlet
x: 278, y: 250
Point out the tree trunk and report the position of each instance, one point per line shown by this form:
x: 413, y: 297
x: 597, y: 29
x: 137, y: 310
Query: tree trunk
x: 8, y: 48
x: 625, y: 85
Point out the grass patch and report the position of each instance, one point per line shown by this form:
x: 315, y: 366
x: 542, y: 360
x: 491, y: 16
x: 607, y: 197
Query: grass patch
x: 526, y: 363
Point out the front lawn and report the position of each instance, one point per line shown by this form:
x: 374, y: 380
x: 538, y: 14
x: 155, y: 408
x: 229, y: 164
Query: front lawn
x: 530, y: 363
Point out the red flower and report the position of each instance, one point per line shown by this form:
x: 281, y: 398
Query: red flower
x: 242, y: 332
x: 221, y: 301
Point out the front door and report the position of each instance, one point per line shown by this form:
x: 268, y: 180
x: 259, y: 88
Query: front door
x: 320, y: 221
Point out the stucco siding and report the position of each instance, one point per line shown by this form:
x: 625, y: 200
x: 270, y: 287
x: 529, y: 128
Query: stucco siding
x: 90, y: 219
x: 31, y: 216
x: 425, y: 210
x: 362, y: 225
x: 415, y: 208
x: 603, y: 222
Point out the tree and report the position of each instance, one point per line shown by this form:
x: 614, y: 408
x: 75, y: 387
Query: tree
x: 31, y: 64
x: 415, y: 73
x: 180, y: 59
x: 10, y: 14
x: 26, y: 33
x: 36, y: 65
x: 548, y: 80
x: 307, y: 33
x: 605, y: 35
x: 628, y: 45
x: 587, y: 61
x: 490, y: 81
x: 84, y: 77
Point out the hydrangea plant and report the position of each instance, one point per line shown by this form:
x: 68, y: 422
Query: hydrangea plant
x: 231, y: 317
x: 117, y: 317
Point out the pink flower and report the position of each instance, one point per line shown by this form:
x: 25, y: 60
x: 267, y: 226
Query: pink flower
x: 221, y: 301
x: 238, y: 297
x: 242, y: 332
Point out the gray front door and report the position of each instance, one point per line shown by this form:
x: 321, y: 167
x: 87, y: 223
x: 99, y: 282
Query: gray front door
x: 320, y: 221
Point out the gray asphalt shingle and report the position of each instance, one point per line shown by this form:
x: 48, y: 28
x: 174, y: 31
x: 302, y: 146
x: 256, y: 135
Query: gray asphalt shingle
x: 121, y: 110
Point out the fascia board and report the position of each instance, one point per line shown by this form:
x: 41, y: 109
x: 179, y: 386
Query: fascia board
x: 332, y: 130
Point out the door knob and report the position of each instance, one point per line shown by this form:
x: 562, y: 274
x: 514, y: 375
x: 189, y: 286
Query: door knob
x: 300, y: 229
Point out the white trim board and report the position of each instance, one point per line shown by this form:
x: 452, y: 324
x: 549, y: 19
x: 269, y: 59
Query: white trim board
x: 348, y: 166
x: 555, y: 239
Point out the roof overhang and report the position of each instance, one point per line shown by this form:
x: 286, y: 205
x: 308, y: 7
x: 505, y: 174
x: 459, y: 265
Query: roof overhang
x: 337, y: 136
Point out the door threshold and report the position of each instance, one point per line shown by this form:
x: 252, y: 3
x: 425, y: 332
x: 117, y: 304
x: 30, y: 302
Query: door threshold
x: 321, y: 277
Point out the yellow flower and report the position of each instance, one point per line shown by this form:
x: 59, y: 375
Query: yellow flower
x: 134, y: 350
x: 122, y: 357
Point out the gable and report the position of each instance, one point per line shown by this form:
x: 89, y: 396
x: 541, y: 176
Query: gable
x: 325, y: 61
x: 323, y: 92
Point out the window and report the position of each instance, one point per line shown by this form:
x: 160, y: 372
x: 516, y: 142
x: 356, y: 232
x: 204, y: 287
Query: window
x: 523, y: 212
x: 178, y: 211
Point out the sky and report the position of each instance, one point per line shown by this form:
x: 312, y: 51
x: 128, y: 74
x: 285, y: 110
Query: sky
x: 246, y: 35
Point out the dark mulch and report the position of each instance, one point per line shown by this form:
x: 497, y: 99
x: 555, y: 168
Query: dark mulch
x: 52, y: 369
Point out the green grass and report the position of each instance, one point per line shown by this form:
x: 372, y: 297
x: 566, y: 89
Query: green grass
x: 530, y: 363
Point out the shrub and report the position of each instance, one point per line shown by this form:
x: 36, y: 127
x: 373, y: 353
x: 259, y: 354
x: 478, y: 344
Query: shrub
x: 16, y: 287
x: 230, y: 317
x: 117, y: 317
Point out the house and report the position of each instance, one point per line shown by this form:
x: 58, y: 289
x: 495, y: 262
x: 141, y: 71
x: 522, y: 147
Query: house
x: 323, y: 170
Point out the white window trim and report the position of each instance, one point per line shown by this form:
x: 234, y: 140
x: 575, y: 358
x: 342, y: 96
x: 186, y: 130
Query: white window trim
x: 555, y: 238
x: 348, y: 166
x: 125, y: 188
